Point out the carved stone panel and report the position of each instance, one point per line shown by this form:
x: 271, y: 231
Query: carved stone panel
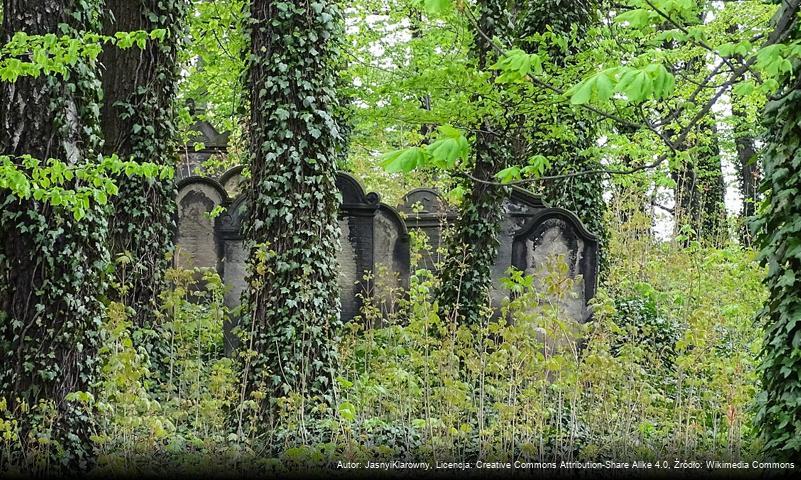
x: 555, y: 241
x: 196, y: 242
x: 391, y: 253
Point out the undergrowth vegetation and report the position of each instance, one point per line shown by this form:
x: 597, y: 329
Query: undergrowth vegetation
x: 667, y: 367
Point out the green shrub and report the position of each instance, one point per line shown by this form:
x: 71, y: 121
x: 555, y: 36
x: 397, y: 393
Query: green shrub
x: 666, y: 368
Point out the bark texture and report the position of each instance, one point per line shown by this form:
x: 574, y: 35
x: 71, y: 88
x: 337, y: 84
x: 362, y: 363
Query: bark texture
x: 138, y: 120
x: 51, y: 266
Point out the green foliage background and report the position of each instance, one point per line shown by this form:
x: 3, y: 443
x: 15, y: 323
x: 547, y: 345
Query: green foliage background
x: 603, y: 98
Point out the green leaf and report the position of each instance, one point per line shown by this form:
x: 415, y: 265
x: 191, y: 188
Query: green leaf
x: 403, y: 161
x: 515, y: 66
x: 635, y: 85
x: 449, y: 131
x: 537, y: 166
x: 445, y: 152
x: 582, y: 93
x: 437, y: 7
x: 637, y: 18
x: 347, y: 411
x: 508, y: 174
x: 450, y: 147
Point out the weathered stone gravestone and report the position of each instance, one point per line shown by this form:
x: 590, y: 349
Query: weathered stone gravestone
x: 375, y: 238
x: 426, y: 211
x: 197, y: 245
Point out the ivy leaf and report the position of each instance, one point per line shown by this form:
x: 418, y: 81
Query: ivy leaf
x: 158, y: 34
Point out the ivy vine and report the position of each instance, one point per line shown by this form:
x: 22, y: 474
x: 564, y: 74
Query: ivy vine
x: 473, y: 244
x: 52, y: 266
x: 779, y: 237
x: 139, y: 124
x: 292, y: 224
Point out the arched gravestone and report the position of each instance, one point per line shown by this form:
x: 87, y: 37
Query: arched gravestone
x: 555, y: 233
x: 197, y: 244
x: 233, y: 182
x: 356, y: 256
x: 356, y: 219
x: 426, y: 211
x: 518, y: 208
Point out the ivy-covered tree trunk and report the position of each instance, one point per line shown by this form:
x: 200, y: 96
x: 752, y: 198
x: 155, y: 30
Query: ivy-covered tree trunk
x: 292, y: 224
x: 51, y: 266
x: 779, y: 237
x: 138, y: 119
x: 473, y: 244
x: 582, y: 194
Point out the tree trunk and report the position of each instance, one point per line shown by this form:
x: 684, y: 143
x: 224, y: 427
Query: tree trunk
x: 473, y: 244
x: 582, y: 194
x: 700, y: 190
x: 749, y: 174
x: 292, y: 227
x: 51, y: 266
x: 138, y: 119
x: 779, y: 237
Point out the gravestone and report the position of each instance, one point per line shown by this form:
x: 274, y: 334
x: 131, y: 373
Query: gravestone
x: 233, y: 182
x: 356, y: 256
x: 196, y: 240
x: 555, y: 233
x: 425, y: 210
x: 391, y: 251
x: 232, y: 263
